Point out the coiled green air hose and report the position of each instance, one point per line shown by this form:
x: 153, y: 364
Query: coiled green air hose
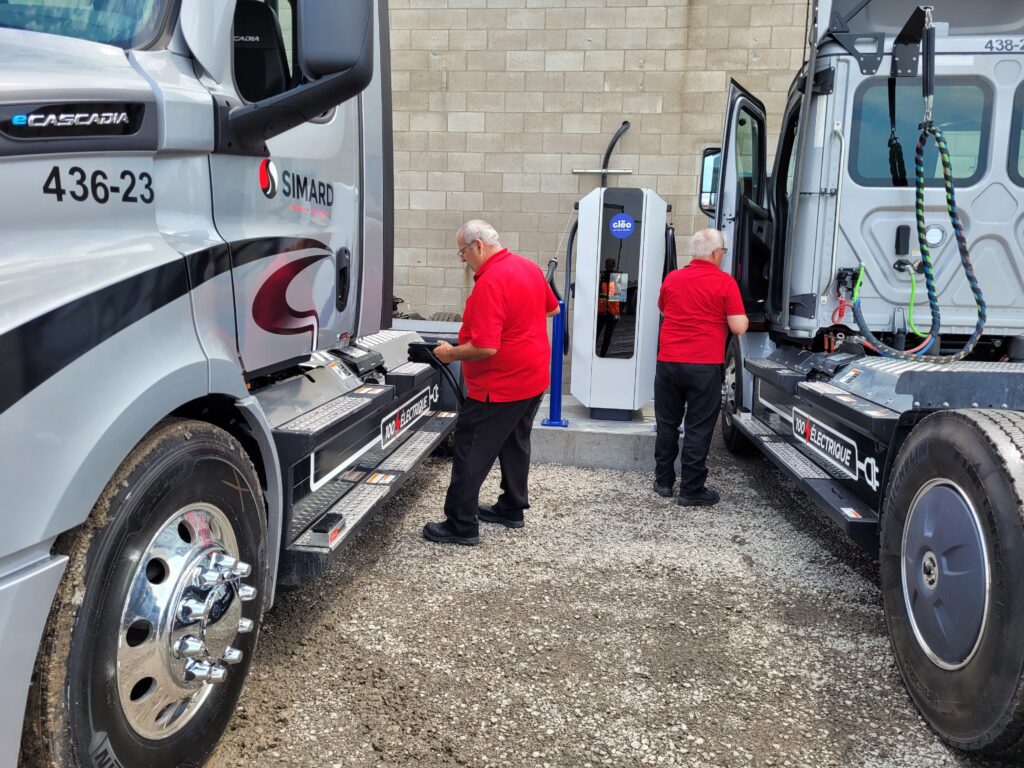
x: 929, y: 128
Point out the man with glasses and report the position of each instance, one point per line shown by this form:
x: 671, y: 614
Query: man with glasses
x: 700, y: 305
x: 505, y: 354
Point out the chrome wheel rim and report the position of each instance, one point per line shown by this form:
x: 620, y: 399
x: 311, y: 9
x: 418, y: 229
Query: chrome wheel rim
x: 729, y: 389
x: 181, y: 616
x: 945, y: 572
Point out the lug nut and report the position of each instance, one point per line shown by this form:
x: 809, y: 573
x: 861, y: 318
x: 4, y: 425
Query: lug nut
x: 241, y: 570
x: 210, y: 577
x: 246, y: 593
x: 197, y: 671
x: 245, y: 625
x: 218, y: 673
x: 190, y: 647
x: 192, y: 610
x: 232, y: 655
x: 222, y: 562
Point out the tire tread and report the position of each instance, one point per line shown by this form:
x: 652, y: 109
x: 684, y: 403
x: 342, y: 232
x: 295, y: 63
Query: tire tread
x: 46, y: 734
x: 1004, y: 431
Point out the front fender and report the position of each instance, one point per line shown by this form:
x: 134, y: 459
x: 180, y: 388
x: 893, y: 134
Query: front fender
x: 63, y: 441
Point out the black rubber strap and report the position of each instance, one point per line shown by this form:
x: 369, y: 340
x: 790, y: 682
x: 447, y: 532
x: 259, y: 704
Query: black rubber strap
x: 897, y: 163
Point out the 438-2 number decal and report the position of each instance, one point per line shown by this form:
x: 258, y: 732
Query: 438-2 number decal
x: 97, y: 186
x: 1004, y: 44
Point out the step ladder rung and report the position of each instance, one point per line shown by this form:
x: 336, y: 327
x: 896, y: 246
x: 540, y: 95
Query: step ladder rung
x: 325, y: 415
x: 406, y: 456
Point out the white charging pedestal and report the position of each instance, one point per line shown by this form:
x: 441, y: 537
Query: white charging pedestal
x: 620, y: 259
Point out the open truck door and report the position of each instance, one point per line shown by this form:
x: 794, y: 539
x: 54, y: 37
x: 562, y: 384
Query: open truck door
x: 737, y: 205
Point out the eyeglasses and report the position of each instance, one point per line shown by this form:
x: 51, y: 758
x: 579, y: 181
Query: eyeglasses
x: 463, y: 248
x: 723, y: 250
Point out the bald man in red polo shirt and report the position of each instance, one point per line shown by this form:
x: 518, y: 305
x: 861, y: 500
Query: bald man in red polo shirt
x: 701, y: 305
x: 504, y: 346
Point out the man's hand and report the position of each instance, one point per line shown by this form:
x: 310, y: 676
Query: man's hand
x: 445, y: 352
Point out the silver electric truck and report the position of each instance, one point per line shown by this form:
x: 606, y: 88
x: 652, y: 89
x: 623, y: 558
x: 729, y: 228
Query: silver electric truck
x: 897, y: 189
x: 201, y: 399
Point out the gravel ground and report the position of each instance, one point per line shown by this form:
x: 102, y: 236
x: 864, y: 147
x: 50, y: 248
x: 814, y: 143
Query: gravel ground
x: 615, y: 629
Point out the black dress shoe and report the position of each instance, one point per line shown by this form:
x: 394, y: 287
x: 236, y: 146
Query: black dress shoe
x: 510, y: 518
x: 663, y: 490
x: 441, y: 534
x: 706, y: 497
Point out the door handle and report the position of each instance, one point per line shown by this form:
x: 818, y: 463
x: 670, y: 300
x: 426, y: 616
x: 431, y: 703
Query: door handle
x: 344, y: 263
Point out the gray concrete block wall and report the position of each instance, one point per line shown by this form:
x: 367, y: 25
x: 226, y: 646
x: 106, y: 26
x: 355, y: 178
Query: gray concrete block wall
x: 496, y: 101
x: 555, y: 78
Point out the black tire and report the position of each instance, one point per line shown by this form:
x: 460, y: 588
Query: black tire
x: 447, y: 317
x: 952, y: 518
x: 737, y: 442
x: 75, y: 716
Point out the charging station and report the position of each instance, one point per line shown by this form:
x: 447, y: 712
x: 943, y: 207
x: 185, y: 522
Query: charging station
x: 620, y: 263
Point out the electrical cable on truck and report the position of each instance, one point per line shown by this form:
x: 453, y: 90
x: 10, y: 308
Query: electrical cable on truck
x: 423, y: 352
x: 928, y: 127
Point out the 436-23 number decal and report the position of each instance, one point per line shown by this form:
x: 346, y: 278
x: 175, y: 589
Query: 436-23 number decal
x: 97, y: 186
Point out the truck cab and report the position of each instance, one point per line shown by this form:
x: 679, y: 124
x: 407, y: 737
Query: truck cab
x: 203, y: 400
x: 878, y: 255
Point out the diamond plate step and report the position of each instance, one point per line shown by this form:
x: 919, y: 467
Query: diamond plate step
x: 333, y: 526
x: 310, y: 507
x: 329, y: 413
x: 406, y: 456
x: 854, y: 516
x: 364, y: 489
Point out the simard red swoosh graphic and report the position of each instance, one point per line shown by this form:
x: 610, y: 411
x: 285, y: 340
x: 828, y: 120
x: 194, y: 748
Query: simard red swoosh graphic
x: 271, y: 310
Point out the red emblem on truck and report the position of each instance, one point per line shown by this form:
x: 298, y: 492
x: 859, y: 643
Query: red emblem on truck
x: 268, y: 178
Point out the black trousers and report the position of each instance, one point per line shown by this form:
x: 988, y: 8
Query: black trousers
x: 485, y: 432
x: 696, y: 389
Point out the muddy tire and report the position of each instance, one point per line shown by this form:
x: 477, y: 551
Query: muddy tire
x: 172, y: 558
x: 732, y: 396
x: 952, y: 572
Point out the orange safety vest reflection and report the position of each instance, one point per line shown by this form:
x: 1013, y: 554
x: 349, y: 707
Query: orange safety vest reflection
x: 606, y: 306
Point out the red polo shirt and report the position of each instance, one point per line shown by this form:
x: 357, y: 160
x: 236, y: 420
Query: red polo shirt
x: 507, y: 311
x: 695, y: 301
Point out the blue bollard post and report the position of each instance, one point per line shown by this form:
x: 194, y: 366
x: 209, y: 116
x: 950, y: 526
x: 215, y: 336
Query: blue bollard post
x: 554, y: 418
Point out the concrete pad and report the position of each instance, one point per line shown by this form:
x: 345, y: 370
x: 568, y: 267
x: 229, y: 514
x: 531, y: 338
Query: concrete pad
x: 587, y: 442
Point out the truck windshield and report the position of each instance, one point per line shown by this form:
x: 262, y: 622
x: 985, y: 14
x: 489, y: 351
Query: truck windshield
x: 963, y: 107
x: 124, y: 23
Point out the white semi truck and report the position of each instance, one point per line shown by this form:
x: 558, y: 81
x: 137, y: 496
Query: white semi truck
x: 910, y: 436
x: 201, y: 400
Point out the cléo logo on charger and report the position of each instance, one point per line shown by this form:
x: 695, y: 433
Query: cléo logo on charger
x: 621, y: 226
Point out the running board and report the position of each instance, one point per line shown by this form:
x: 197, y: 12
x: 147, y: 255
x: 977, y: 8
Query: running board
x: 365, y: 488
x: 851, y: 514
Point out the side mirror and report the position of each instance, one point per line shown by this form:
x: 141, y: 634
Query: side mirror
x: 331, y: 35
x: 711, y: 167
x: 336, y: 47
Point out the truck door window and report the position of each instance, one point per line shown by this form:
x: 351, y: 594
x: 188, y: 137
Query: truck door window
x: 785, y: 172
x: 261, y: 61
x: 1016, y: 161
x: 124, y: 23
x: 790, y: 165
x: 286, y: 18
x: 748, y: 156
x: 963, y: 107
